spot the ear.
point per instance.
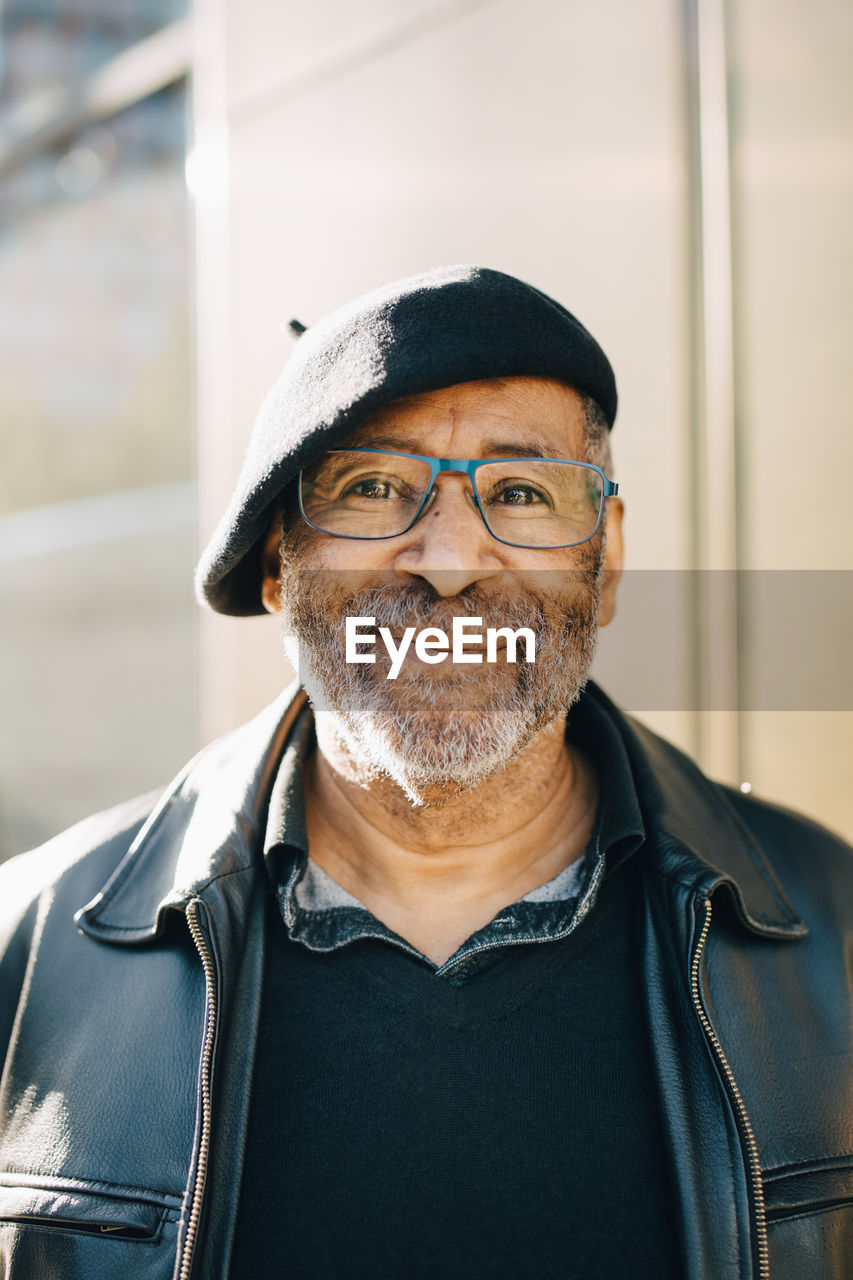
(612, 567)
(271, 566)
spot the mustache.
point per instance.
(418, 605)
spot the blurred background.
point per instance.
(176, 185)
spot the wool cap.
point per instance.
(450, 325)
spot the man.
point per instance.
(452, 969)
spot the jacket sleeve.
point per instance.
(89, 850)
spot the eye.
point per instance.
(516, 493)
(369, 488)
(380, 487)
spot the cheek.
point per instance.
(562, 577)
(321, 576)
(340, 561)
(297, 537)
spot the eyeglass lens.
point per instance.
(534, 502)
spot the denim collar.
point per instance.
(321, 915)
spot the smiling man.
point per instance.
(407, 772)
(442, 966)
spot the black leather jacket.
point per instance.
(131, 1023)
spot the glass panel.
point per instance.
(97, 506)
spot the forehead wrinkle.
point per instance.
(454, 424)
(531, 446)
(401, 444)
(493, 408)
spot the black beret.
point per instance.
(450, 325)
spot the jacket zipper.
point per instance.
(737, 1099)
(211, 1010)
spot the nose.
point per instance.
(449, 545)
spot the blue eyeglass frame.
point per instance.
(467, 467)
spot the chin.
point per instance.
(433, 754)
(434, 732)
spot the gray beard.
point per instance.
(437, 728)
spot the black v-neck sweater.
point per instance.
(504, 1127)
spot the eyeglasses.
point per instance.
(524, 502)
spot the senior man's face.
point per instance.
(436, 728)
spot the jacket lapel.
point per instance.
(205, 827)
(700, 837)
(704, 1144)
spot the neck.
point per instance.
(436, 872)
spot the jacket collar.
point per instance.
(210, 823)
(206, 825)
(702, 841)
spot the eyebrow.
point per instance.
(530, 448)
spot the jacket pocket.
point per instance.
(59, 1229)
(810, 1220)
(799, 1190)
(74, 1209)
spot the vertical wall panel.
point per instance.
(792, 123)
